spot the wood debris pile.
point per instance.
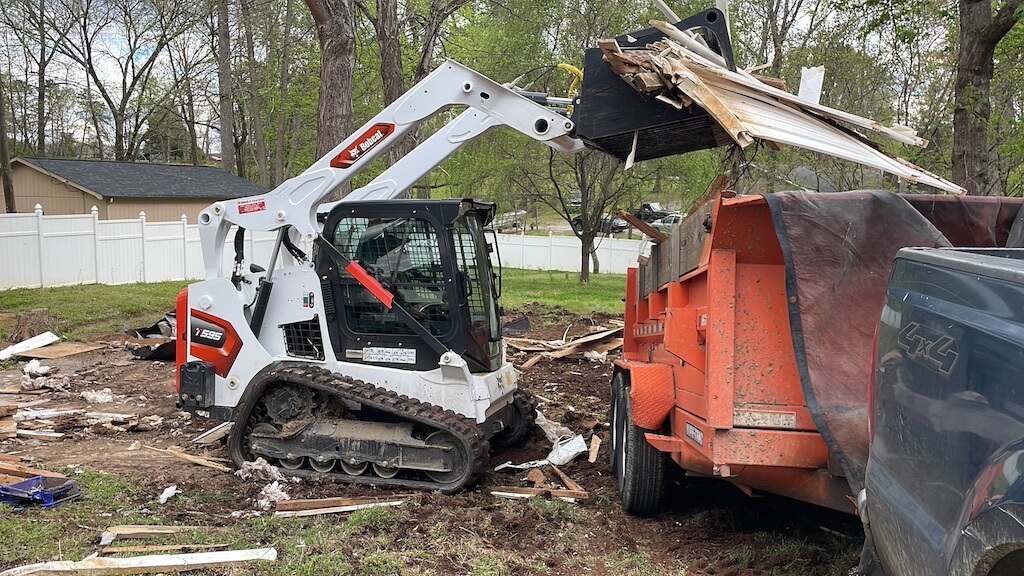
(599, 342)
(569, 491)
(750, 108)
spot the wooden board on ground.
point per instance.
(13, 469)
(335, 509)
(8, 428)
(145, 530)
(17, 391)
(526, 492)
(60, 350)
(146, 564)
(315, 503)
(106, 550)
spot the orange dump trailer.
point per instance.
(748, 337)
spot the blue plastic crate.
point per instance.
(43, 490)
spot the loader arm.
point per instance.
(294, 203)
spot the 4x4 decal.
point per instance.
(936, 349)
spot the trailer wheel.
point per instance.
(638, 467)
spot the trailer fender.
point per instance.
(652, 391)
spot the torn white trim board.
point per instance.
(146, 564)
(44, 339)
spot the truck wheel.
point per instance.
(638, 467)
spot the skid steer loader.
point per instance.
(368, 347)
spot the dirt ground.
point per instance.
(707, 526)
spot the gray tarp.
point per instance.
(839, 250)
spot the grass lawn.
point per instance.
(83, 312)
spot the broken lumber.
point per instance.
(26, 415)
(335, 509)
(518, 492)
(314, 503)
(23, 471)
(130, 531)
(193, 459)
(43, 435)
(213, 434)
(160, 548)
(8, 409)
(146, 564)
(9, 458)
(595, 445)
(8, 428)
(569, 482)
(529, 363)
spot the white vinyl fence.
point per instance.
(40, 251)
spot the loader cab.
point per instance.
(433, 258)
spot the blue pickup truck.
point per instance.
(944, 489)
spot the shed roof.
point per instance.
(143, 180)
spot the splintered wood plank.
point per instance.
(315, 503)
(160, 548)
(42, 435)
(193, 459)
(335, 509)
(145, 530)
(526, 492)
(60, 350)
(14, 469)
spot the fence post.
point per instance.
(551, 248)
(96, 241)
(39, 237)
(142, 225)
(184, 247)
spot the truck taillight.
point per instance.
(180, 335)
(871, 384)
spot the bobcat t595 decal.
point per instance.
(214, 340)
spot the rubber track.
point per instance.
(472, 438)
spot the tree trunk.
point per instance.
(980, 32)
(389, 42)
(226, 104)
(5, 158)
(588, 249)
(279, 173)
(254, 95)
(336, 31)
(41, 86)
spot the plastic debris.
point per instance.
(566, 450)
(35, 369)
(169, 493)
(104, 396)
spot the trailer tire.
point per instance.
(639, 468)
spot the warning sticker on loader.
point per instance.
(389, 355)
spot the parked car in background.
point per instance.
(944, 490)
(665, 224)
(609, 225)
(651, 211)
